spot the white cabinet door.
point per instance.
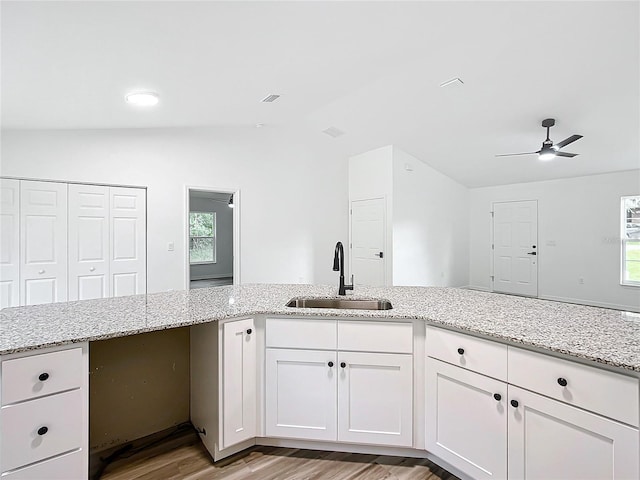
(549, 439)
(375, 398)
(301, 394)
(239, 370)
(467, 420)
(9, 243)
(88, 242)
(43, 234)
(128, 241)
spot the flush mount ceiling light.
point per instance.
(333, 132)
(453, 81)
(143, 99)
(270, 98)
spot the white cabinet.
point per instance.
(64, 242)
(375, 398)
(348, 396)
(44, 414)
(9, 243)
(43, 242)
(548, 438)
(224, 383)
(467, 420)
(238, 382)
(301, 394)
(489, 428)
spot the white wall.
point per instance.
(293, 189)
(430, 225)
(578, 237)
(223, 266)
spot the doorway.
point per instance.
(212, 237)
(515, 247)
(368, 254)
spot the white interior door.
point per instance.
(43, 234)
(515, 242)
(88, 242)
(368, 254)
(128, 241)
(9, 243)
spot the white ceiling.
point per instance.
(370, 69)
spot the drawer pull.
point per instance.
(343, 365)
(330, 364)
(42, 431)
(497, 396)
(249, 331)
(461, 351)
(514, 403)
(43, 377)
(562, 382)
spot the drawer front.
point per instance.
(61, 414)
(606, 393)
(70, 466)
(476, 354)
(21, 377)
(366, 336)
(301, 333)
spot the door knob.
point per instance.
(381, 254)
(92, 269)
(40, 272)
(531, 253)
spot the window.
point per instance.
(631, 240)
(202, 237)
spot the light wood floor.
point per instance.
(190, 461)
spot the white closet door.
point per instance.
(88, 242)
(128, 241)
(43, 249)
(9, 243)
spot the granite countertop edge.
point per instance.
(494, 316)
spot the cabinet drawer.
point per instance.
(476, 354)
(301, 333)
(600, 391)
(21, 376)
(21, 444)
(70, 466)
(386, 337)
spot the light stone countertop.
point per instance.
(601, 335)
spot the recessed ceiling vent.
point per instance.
(333, 132)
(270, 98)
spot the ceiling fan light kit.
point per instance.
(550, 150)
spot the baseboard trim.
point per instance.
(211, 277)
(589, 303)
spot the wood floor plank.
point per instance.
(191, 461)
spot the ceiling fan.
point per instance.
(549, 149)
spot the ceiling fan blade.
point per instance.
(517, 154)
(566, 154)
(567, 141)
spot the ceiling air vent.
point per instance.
(270, 98)
(333, 132)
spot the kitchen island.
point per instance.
(445, 352)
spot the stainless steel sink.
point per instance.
(349, 303)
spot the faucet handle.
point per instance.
(350, 287)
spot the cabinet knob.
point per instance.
(461, 351)
(497, 396)
(562, 382)
(249, 331)
(514, 403)
(40, 272)
(330, 364)
(42, 430)
(343, 365)
(43, 376)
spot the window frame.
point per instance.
(624, 241)
(214, 242)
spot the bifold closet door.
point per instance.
(127, 264)
(88, 242)
(9, 243)
(43, 235)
